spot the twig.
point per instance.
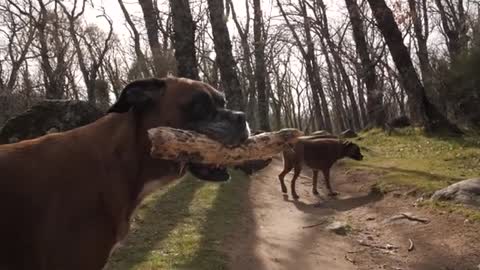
(314, 225)
(409, 217)
(412, 246)
(422, 220)
(348, 259)
(356, 251)
(387, 247)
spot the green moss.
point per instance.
(183, 226)
(471, 214)
(411, 159)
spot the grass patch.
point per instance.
(408, 158)
(183, 226)
(469, 213)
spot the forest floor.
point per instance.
(387, 220)
(279, 233)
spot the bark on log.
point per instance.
(189, 146)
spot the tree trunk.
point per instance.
(251, 98)
(53, 87)
(422, 112)
(376, 115)
(315, 68)
(225, 61)
(260, 69)
(311, 68)
(334, 88)
(184, 39)
(152, 27)
(142, 62)
(361, 93)
(323, 21)
(455, 27)
(88, 76)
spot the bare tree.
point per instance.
(225, 60)
(250, 89)
(184, 37)
(90, 65)
(375, 110)
(260, 69)
(423, 112)
(19, 34)
(319, 9)
(454, 23)
(141, 60)
(313, 71)
(151, 23)
(50, 28)
(420, 18)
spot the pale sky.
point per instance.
(335, 10)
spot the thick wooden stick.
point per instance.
(189, 146)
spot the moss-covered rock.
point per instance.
(47, 117)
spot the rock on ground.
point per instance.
(338, 227)
(465, 192)
(47, 117)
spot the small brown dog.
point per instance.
(318, 154)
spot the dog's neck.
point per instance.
(128, 144)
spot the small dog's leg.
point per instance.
(297, 170)
(314, 180)
(326, 175)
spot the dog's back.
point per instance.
(320, 153)
(316, 153)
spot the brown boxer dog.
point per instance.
(319, 154)
(66, 199)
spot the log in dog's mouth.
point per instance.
(212, 173)
(233, 136)
(207, 158)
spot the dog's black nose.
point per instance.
(238, 117)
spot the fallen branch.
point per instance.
(356, 251)
(411, 247)
(386, 247)
(190, 146)
(314, 225)
(348, 259)
(413, 218)
(409, 217)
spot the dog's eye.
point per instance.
(201, 108)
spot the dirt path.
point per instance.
(278, 233)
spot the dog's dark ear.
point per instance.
(347, 144)
(138, 95)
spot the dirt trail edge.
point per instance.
(382, 232)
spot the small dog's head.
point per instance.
(185, 104)
(352, 150)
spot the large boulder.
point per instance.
(46, 117)
(12, 104)
(465, 192)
